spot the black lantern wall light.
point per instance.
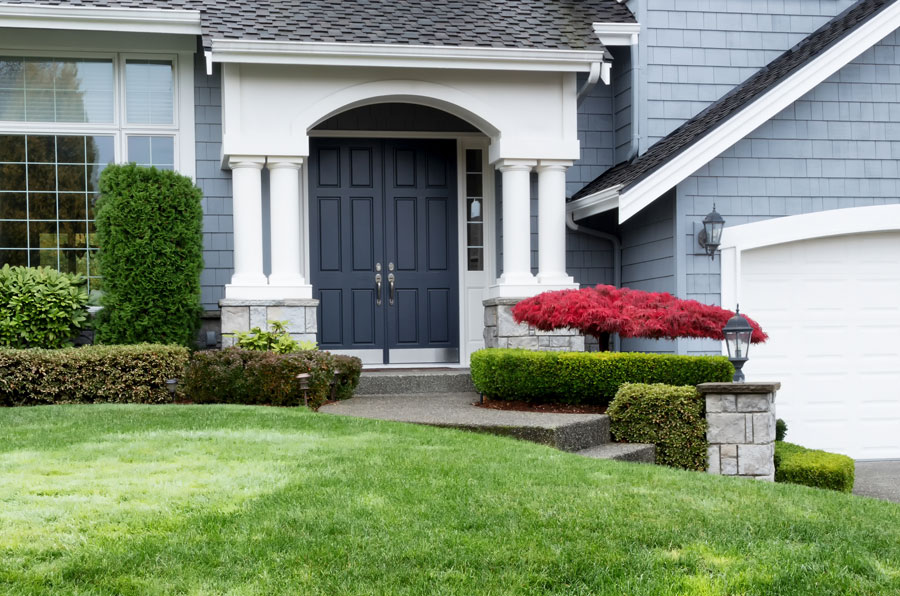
(710, 237)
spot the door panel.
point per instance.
(393, 204)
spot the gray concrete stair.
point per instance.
(420, 381)
(633, 452)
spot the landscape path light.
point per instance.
(737, 333)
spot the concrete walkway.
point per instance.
(878, 479)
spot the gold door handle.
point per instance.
(391, 288)
(377, 289)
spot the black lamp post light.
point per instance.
(710, 237)
(737, 333)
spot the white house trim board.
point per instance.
(93, 18)
(617, 34)
(758, 112)
(599, 202)
(403, 56)
(822, 224)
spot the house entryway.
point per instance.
(383, 248)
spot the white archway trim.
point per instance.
(442, 97)
(822, 224)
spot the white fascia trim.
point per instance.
(821, 224)
(599, 202)
(93, 18)
(758, 112)
(403, 56)
(617, 34)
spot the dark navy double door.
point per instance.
(383, 238)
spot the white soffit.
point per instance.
(617, 34)
(92, 18)
(404, 56)
(759, 111)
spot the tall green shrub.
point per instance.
(149, 225)
(40, 307)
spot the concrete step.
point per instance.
(567, 432)
(633, 452)
(415, 381)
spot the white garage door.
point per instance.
(831, 308)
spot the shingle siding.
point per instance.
(836, 147)
(697, 50)
(218, 239)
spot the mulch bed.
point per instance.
(550, 408)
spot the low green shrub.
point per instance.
(673, 418)
(91, 374)
(810, 467)
(585, 377)
(277, 339)
(253, 377)
(40, 307)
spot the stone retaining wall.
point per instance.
(501, 331)
(741, 431)
(242, 315)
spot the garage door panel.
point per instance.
(832, 310)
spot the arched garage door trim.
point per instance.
(822, 224)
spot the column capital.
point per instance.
(246, 161)
(554, 164)
(515, 165)
(294, 163)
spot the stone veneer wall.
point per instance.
(741, 431)
(242, 315)
(501, 331)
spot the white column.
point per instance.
(552, 223)
(248, 228)
(516, 222)
(284, 210)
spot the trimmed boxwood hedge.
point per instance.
(236, 376)
(585, 377)
(810, 467)
(91, 374)
(673, 418)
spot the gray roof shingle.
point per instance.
(629, 173)
(533, 24)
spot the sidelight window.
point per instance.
(474, 210)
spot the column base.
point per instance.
(502, 331)
(559, 280)
(267, 292)
(242, 315)
(522, 291)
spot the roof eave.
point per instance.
(595, 203)
(95, 18)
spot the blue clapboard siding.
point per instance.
(695, 51)
(218, 240)
(836, 147)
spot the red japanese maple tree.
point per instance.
(630, 313)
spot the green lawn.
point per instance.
(239, 500)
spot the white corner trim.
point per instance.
(794, 228)
(821, 224)
(599, 202)
(617, 34)
(758, 112)
(93, 18)
(397, 55)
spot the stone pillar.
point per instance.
(741, 431)
(552, 223)
(248, 274)
(502, 331)
(284, 201)
(243, 315)
(516, 223)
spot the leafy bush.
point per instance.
(780, 429)
(149, 225)
(276, 340)
(121, 374)
(256, 377)
(40, 307)
(585, 377)
(630, 313)
(810, 467)
(673, 418)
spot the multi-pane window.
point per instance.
(62, 120)
(474, 210)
